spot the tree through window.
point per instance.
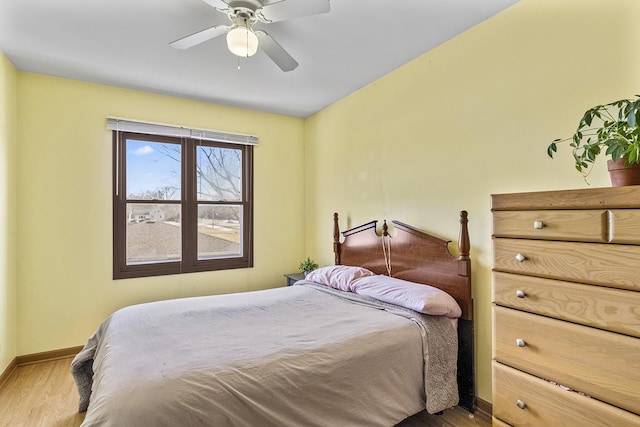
(180, 205)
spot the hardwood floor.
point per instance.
(456, 417)
(40, 394)
(44, 395)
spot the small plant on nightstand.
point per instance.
(307, 266)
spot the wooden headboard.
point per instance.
(413, 255)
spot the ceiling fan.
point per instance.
(242, 39)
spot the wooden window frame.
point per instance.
(189, 207)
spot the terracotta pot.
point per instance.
(621, 175)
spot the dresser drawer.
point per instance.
(574, 225)
(498, 423)
(602, 364)
(627, 197)
(546, 404)
(605, 264)
(605, 308)
(624, 226)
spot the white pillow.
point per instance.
(414, 296)
(338, 276)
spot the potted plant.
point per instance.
(614, 128)
(307, 266)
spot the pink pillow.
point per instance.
(338, 276)
(423, 298)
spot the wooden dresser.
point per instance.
(566, 315)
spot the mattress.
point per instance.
(301, 355)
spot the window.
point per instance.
(180, 205)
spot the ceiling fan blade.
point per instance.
(289, 9)
(199, 37)
(217, 4)
(276, 52)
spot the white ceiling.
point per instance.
(126, 43)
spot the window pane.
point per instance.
(153, 170)
(153, 233)
(157, 180)
(219, 231)
(219, 174)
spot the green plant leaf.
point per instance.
(588, 117)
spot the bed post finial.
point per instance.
(336, 238)
(464, 245)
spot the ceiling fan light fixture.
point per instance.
(242, 41)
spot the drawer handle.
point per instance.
(520, 342)
(520, 294)
(538, 225)
(520, 257)
(520, 404)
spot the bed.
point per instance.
(350, 345)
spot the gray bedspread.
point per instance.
(297, 356)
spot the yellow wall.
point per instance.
(8, 282)
(467, 120)
(8, 285)
(64, 205)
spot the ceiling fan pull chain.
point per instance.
(247, 38)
